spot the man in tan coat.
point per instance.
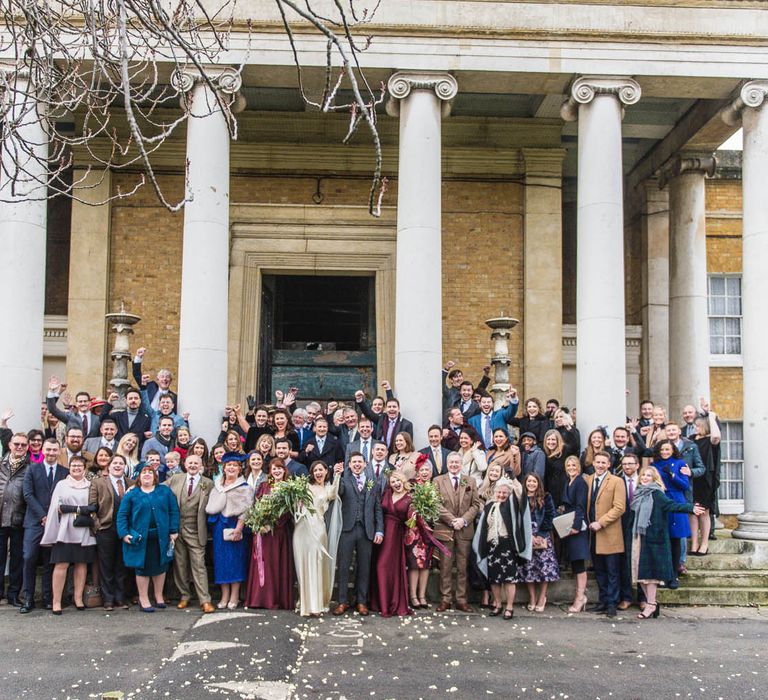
(606, 502)
(455, 530)
(192, 491)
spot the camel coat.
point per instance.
(610, 504)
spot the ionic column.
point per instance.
(420, 100)
(688, 322)
(597, 103)
(203, 327)
(23, 220)
(752, 108)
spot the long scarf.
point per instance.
(494, 523)
(642, 505)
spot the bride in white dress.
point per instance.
(314, 547)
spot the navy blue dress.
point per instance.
(576, 547)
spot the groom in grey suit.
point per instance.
(362, 527)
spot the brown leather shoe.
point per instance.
(340, 609)
(463, 607)
(442, 606)
(183, 604)
(362, 609)
(624, 605)
(206, 607)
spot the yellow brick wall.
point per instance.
(482, 259)
(723, 203)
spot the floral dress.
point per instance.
(543, 565)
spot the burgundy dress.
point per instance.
(270, 571)
(389, 593)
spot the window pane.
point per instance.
(716, 285)
(733, 285)
(717, 327)
(733, 346)
(717, 346)
(733, 306)
(716, 306)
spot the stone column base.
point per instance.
(752, 526)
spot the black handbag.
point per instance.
(83, 520)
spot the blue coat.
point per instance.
(499, 418)
(133, 518)
(676, 485)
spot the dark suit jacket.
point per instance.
(141, 424)
(402, 425)
(383, 479)
(373, 517)
(102, 495)
(72, 419)
(37, 491)
(151, 387)
(332, 451)
(444, 456)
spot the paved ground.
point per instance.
(701, 653)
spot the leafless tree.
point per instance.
(107, 66)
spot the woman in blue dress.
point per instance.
(675, 474)
(230, 499)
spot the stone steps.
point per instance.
(690, 595)
(729, 578)
(720, 562)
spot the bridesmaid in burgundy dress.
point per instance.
(271, 574)
(390, 584)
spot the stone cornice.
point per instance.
(585, 88)
(682, 163)
(400, 84)
(752, 94)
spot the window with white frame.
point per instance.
(731, 462)
(724, 296)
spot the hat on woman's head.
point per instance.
(233, 457)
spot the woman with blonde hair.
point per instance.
(596, 442)
(651, 546)
(128, 447)
(576, 544)
(554, 466)
(265, 446)
(705, 487)
(657, 432)
(504, 453)
(492, 476)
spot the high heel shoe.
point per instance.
(495, 612)
(508, 614)
(530, 607)
(415, 604)
(55, 612)
(540, 608)
(579, 606)
(79, 607)
(232, 606)
(221, 605)
(654, 607)
(423, 604)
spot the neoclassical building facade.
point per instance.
(548, 161)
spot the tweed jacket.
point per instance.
(462, 503)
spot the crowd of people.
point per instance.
(125, 496)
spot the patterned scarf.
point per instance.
(642, 504)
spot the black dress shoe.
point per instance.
(597, 607)
(610, 612)
(15, 602)
(26, 608)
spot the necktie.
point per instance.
(438, 458)
(487, 430)
(85, 426)
(595, 486)
(320, 444)
(120, 488)
(50, 477)
(360, 485)
(631, 485)
(191, 486)
(365, 450)
(378, 469)
(455, 483)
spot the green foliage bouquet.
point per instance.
(425, 502)
(285, 497)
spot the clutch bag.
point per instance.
(563, 524)
(228, 534)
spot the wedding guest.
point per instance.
(534, 421)
(314, 545)
(128, 448)
(271, 571)
(596, 442)
(148, 524)
(68, 533)
(13, 466)
(473, 461)
(504, 454)
(674, 473)
(230, 498)
(192, 491)
(405, 455)
(492, 475)
(503, 539)
(576, 544)
(214, 461)
(652, 552)
(454, 529)
(554, 466)
(390, 593)
(36, 438)
(707, 440)
(542, 569)
(100, 464)
(265, 446)
(199, 447)
(254, 470)
(106, 493)
(418, 549)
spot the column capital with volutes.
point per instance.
(226, 80)
(751, 94)
(704, 164)
(400, 85)
(585, 88)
